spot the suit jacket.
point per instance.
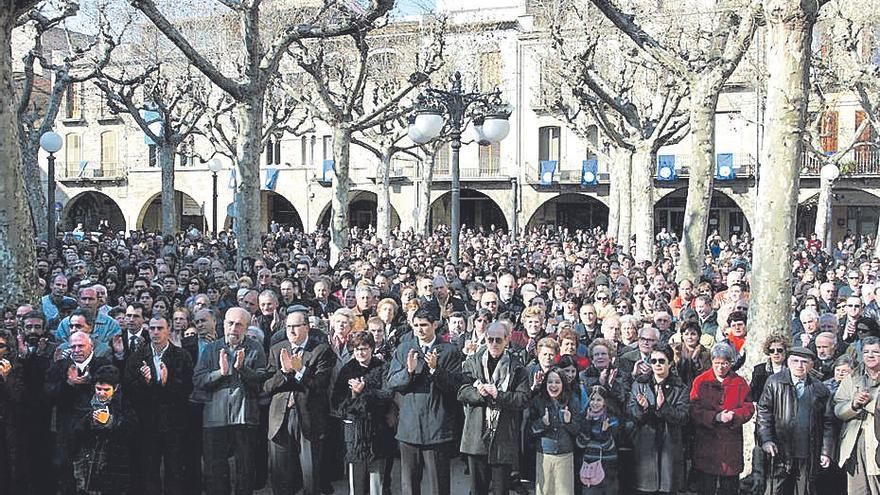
(231, 399)
(160, 408)
(311, 391)
(72, 401)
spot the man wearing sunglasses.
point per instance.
(495, 392)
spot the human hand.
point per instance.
(537, 380)
(642, 400)
(606, 424)
(163, 373)
(5, 368)
(469, 347)
(860, 399)
(22, 345)
(770, 449)
(481, 389)
(74, 378)
(296, 361)
(412, 360)
(239, 359)
(824, 461)
(491, 389)
(224, 363)
(661, 397)
(566, 415)
(431, 359)
(805, 339)
(286, 361)
(356, 385)
(118, 344)
(546, 418)
(726, 416)
(146, 373)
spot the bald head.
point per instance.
(235, 325)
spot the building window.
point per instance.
(828, 132)
(304, 151)
(108, 155)
(593, 141)
(490, 159)
(548, 143)
(72, 153)
(490, 70)
(327, 147)
(442, 158)
(313, 142)
(863, 143)
(73, 101)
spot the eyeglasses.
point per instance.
(495, 340)
(601, 298)
(776, 350)
(658, 361)
(853, 305)
(491, 302)
(645, 339)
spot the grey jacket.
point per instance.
(232, 399)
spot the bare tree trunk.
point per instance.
(823, 215)
(247, 199)
(624, 168)
(33, 185)
(169, 206)
(615, 176)
(341, 186)
(642, 191)
(17, 248)
(700, 178)
(424, 200)
(383, 198)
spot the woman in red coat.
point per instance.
(720, 404)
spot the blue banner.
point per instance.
(327, 170)
(590, 172)
(548, 169)
(724, 167)
(271, 178)
(233, 179)
(666, 168)
(149, 117)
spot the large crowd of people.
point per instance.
(552, 362)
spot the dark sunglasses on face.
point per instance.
(658, 361)
(776, 350)
(494, 340)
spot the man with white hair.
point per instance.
(810, 324)
(826, 353)
(827, 298)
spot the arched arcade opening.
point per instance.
(361, 211)
(573, 211)
(90, 208)
(725, 216)
(189, 213)
(278, 209)
(853, 211)
(477, 210)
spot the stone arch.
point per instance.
(852, 209)
(361, 211)
(278, 208)
(89, 208)
(189, 212)
(477, 210)
(572, 210)
(725, 213)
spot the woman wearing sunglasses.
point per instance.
(658, 403)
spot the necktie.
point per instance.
(799, 388)
(425, 350)
(132, 343)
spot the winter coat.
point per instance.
(366, 431)
(657, 440)
(558, 437)
(777, 413)
(101, 461)
(160, 408)
(718, 447)
(501, 443)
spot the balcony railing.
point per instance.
(90, 171)
(855, 162)
(442, 172)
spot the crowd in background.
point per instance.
(551, 362)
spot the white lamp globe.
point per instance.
(665, 172)
(415, 135)
(830, 172)
(51, 142)
(429, 124)
(215, 165)
(496, 128)
(724, 170)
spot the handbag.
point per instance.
(592, 473)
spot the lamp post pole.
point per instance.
(214, 205)
(428, 123)
(50, 199)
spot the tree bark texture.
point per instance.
(624, 163)
(17, 248)
(789, 35)
(169, 206)
(701, 173)
(341, 187)
(247, 199)
(642, 191)
(33, 184)
(615, 176)
(383, 197)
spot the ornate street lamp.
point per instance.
(490, 117)
(827, 175)
(214, 166)
(51, 143)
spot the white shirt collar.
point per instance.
(85, 364)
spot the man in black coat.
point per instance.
(299, 370)
(158, 381)
(70, 386)
(427, 374)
